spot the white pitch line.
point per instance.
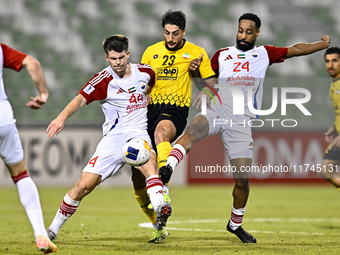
(293, 219)
(149, 225)
(196, 221)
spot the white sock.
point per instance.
(236, 217)
(154, 188)
(29, 198)
(176, 155)
(67, 208)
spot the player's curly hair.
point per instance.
(118, 43)
(252, 17)
(174, 18)
(332, 50)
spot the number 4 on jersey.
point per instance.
(93, 161)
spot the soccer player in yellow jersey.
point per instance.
(331, 159)
(173, 61)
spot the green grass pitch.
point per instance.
(297, 219)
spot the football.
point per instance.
(136, 152)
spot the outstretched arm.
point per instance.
(58, 124)
(35, 71)
(193, 67)
(301, 49)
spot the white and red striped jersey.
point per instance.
(122, 99)
(246, 70)
(9, 58)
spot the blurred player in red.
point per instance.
(242, 66)
(11, 150)
(121, 90)
(331, 160)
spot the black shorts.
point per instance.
(332, 154)
(177, 115)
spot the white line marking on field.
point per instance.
(149, 225)
(294, 219)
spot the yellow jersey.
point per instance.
(334, 94)
(173, 84)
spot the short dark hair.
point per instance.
(332, 50)
(118, 43)
(252, 17)
(174, 18)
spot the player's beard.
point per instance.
(245, 47)
(176, 47)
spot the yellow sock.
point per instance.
(163, 151)
(143, 200)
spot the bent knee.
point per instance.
(242, 184)
(326, 175)
(198, 131)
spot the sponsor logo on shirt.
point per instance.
(228, 58)
(169, 73)
(155, 56)
(241, 80)
(131, 108)
(88, 89)
(241, 56)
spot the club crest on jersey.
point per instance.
(254, 55)
(241, 56)
(186, 55)
(143, 85)
(337, 92)
(155, 56)
(88, 89)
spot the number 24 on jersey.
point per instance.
(238, 66)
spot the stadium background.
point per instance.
(65, 36)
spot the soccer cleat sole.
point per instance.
(163, 212)
(44, 244)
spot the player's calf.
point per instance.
(163, 212)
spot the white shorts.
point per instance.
(11, 150)
(108, 157)
(233, 129)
